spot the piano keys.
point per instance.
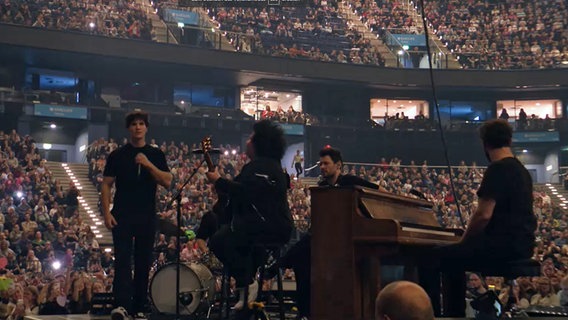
(356, 230)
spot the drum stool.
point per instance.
(269, 250)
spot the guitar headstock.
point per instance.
(206, 147)
(206, 144)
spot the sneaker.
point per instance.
(252, 294)
(140, 316)
(119, 313)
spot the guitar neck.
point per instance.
(210, 165)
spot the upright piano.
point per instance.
(355, 230)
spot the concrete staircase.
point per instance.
(452, 61)
(351, 16)
(159, 29)
(558, 195)
(88, 202)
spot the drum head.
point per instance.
(193, 281)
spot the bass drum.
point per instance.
(194, 279)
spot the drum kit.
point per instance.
(197, 289)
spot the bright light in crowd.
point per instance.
(56, 265)
(108, 250)
(234, 151)
(47, 146)
(53, 126)
(19, 194)
(226, 152)
(91, 25)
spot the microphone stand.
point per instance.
(177, 197)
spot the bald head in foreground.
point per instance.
(403, 300)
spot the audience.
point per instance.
(37, 229)
(317, 33)
(117, 19)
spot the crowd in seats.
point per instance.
(50, 260)
(382, 15)
(42, 225)
(118, 19)
(505, 35)
(315, 33)
(288, 116)
(512, 34)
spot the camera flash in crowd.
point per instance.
(56, 265)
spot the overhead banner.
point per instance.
(185, 17)
(47, 110)
(410, 40)
(543, 136)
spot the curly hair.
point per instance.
(268, 140)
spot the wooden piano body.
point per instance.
(354, 230)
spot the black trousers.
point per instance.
(299, 259)
(238, 252)
(298, 167)
(133, 234)
(451, 263)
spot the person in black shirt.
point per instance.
(500, 230)
(299, 256)
(258, 205)
(211, 222)
(136, 169)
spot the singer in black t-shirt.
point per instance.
(136, 169)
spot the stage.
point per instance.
(91, 317)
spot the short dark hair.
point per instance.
(136, 115)
(268, 140)
(334, 154)
(496, 134)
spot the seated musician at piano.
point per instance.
(499, 231)
(298, 257)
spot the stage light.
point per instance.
(56, 265)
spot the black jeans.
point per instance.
(298, 167)
(238, 253)
(132, 234)
(299, 259)
(448, 272)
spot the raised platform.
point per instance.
(91, 317)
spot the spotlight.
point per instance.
(19, 194)
(226, 152)
(233, 152)
(56, 265)
(92, 25)
(53, 126)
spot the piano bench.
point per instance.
(512, 269)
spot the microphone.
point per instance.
(212, 151)
(417, 193)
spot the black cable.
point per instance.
(435, 96)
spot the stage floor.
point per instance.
(91, 317)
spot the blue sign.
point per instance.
(185, 17)
(47, 110)
(543, 136)
(292, 129)
(411, 40)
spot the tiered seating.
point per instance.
(315, 33)
(108, 18)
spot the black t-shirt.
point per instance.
(509, 183)
(348, 180)
(135, 187)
